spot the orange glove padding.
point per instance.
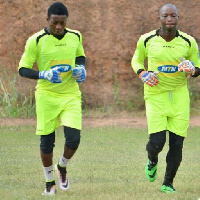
(186, 66)
(149, 78)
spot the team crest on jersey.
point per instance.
(168, 69)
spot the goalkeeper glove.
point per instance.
(149, 78)
(79, 73)
(52, 75)
(186, 66)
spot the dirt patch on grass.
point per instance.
(126, 121)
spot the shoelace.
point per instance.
(151, 165)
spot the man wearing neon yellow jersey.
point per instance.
(60, 58)
(172, 55)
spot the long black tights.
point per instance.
(174, 156)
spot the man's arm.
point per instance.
(137, 64)
(139, 56)
(194, 57)
(80, 60)
(28, 73)
(79, 72)
(196, 73)
(52, 75)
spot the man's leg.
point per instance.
(72, 136)
(47, 143)
(174, 158)
(72, 141)
(154, 147)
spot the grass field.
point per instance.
(109, 165)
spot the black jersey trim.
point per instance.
(74, 33)
(186, 39)
(40, 36)
(47, 33)
(157, 34)
(148, 38)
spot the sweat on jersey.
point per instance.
(47, 51)
(164, 57)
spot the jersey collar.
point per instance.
(157, 32)
(58, 37)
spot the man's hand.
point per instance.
(149, 78)
(79, 73)
(186, 66)
(52, 75)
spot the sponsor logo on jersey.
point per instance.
(168, 46)
(59, 45)
(168, 69)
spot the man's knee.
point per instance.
(156, 142)
(72, 136)
(154, 148)
(47, 143)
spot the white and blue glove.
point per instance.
(150, 78)
(79, 73)
(53, 75)
(186, 66)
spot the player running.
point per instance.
(172, 55)
(60, 58)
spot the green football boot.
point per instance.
(168, 189)
(151, 171)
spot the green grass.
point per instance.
(109, 164)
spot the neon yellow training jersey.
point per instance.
(47, 51)
(164, 57)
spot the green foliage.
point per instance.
(116, 88)
(193, 86)
(132, 101)
(194, 89)
(109, 164)
(12, 104)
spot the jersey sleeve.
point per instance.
(80, 50)
(194, 53)
(30, 53)
(139, 56)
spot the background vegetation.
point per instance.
(14, 102)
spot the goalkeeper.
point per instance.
(172, 56)
(60, 58)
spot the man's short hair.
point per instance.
(168, 5)
(57, 8)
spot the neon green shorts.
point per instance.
(169, 111)
(54, 111)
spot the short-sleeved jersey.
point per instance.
(47, 51)
(164, 57)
